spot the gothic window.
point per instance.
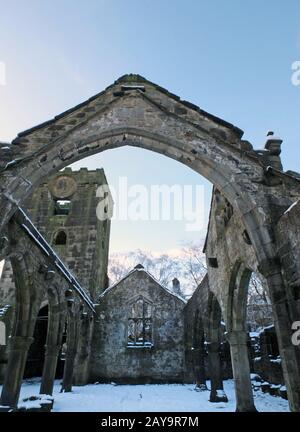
(140, 324)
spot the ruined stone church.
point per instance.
(139, 332)
(61, 316)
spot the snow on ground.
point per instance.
(147, 398)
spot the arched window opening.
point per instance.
(259, 309)
(62, 207)
(60, 238)
(140, 324)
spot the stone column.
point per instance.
(18, 350)
(56, 322)
(285, 312)
(241, 371)
(199, 368)
(217, 393)
(68, 371)
(49, 370)
(70, 354)
(82, 361)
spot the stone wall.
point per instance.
(196, 318)
(113, 359)
(267, 363)
(227, 244)
(288, 233)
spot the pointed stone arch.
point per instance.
(237, 297)
(136, 112)
(238, 337)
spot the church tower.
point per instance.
(64, 211)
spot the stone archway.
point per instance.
(237, 336)
(237, 297)
(134, 111)
(36, 353)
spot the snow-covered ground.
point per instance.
(147, 398)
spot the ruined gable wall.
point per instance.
(113, 360)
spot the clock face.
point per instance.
(63, 187)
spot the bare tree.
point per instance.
(257, 292)
(193, 267)
(259, 309)
(163, 267)
(119, 265)
(187, 266)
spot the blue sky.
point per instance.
(232, 58)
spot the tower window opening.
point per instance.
(60, 238)
(62, 207)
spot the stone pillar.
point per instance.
(49, 370)
(241, 371)
(68, 371)
(82, 361)
(70, 354)
(284, 314)
(217, 393)
(199, 366)
(18, 350)
(56, 321)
